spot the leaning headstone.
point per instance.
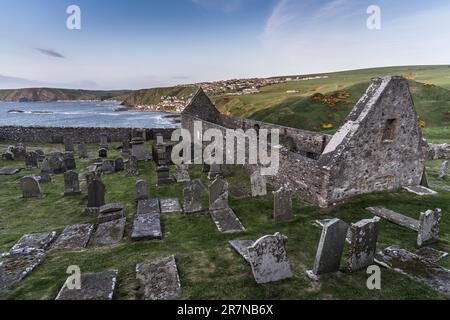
(218, 194)
(443, 174)
(17, 264)
(163, 176)
(268, 259)
(138, 150)
(226, 220)
(68, 145)
(192, 195)
(159, 279)
(363, 244)
(142, 190)
(69, 160)
(429, 227)
(96, 196)
(416, 268)
(40, 241)
(132, 167)
(259, 185)
(30, 187)
(103, 141)
(74, 237)
(31, 160)
(110, 212)
(282, 201)
(108, 167)
(182, 174)
(71, 184)
(102, 153)
(82, 151)
(109, 233)
(94, 287)
(119, 164)
(331, 247)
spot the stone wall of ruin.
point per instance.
(88, 135)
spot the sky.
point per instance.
(132, 44)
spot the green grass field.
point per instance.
(208, 267)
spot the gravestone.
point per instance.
(182, 174)
(170, 206)
(30, 187)
(9, 171)
(7, 156)
(40, 241)
(268, 259)
(259, 185)
(132, 167)
(119, 164)
(110, 212)
(192, 195)
(331, 247)
(159, 139)
(19, 151)
(82, 151)
(429, 227)
(142, 190)
(206, 168)
(45, 173)
(71, 184)
(126, 146)
(138, 150)
(148, 206)
(94, 287)
(56, 163)
(443, 174)
(159, 279)
(31, 160)
(431, 254)
(68, 145)
(102, 153)
(160, 155)
(69, 160)
(363, 244)
(103, 141)
(110, 232)
(282, 210)
(420, 190)
(75, 237)
(108, 167)
(163, 176)
(146, 227)
(215, 170)
(96, 196)
(40, 155)
(226, 220)
(218, 194)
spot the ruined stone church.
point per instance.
(379, 148)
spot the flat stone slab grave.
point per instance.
(74, 237)
(420, 190)
(395, 217)
(16, 265)
(431, 254)
(226, 220)
(170, 206)
(159, 279)
(36, 240)
(147, 227)
(148, 206)
(9, 171)
(109, 233)
(95, 286)
(416, 268)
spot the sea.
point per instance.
(80, 114)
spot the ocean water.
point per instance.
(80, 114)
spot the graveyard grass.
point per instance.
(208, 267)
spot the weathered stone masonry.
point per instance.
(379, 148)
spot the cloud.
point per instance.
(226, 6)
(50, 53)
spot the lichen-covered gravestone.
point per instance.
(282, 201)
(268, 259)
(429, 227)
(71, 184)
(75, 237)
(363, 244)
(95, 286)
(40, 241)
(142, 190)
(110, 232)
(192, 195)
(132, 167)
(259, 185)
(31, 160)
(218, 194)
(96, 196)
(443, 174)
(182, 174)
(30, 187)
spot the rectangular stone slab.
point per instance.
(111, 207)
(416, 268)
(95, 286)
(74, 237)
(226, 221)
(395, 217)
(159, 279)
(147, 227)
(8, 171)
(170, 206)
(431, 254)
(110, 233)
(105, 217)
(241, 246)
(36, 240)
(148, 206)
(16, 265)
(420, 190)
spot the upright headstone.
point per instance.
(71, 184)
(192, 195)
(82, 151)
(443, 174)
(102, 153)
(331, 247)
(138, 150)
(68, 145)
(132, 167)
(268, 259)
(57, 164)
(30, 187)
(363, 244)
(161, 155)
(103, 141)
(259, 185)
(163, 176)
(40, 155)
(282, 210)
(45, 172)
(19, 151)
(108, 166)
(69, 160)
(218, 194)
(429, 227)
(182, 174)
(159, 139)
(96, 196)
(142, 190)
(119, 164)
(126, 146)
(31, 160)
(215, 170)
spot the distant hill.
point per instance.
(50, 94)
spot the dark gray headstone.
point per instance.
(109, 233)
(138, 150)
(30, 187)
(148, 206)
(119, 164)
(108, 167)
(31, 160)
(96, 194)
(71, 184)
(103, 141)
(192, 195)
(19, 151)
(69, 160)
(103, 153)
(215, 170)
(56, 163)
(226, 220)
(163, 176)
(82, 151)
(68, 145)
(259, 185)
(142, 190)
(147, 227)
(282, 205)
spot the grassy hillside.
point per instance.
(52, 94)
(153, 96)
